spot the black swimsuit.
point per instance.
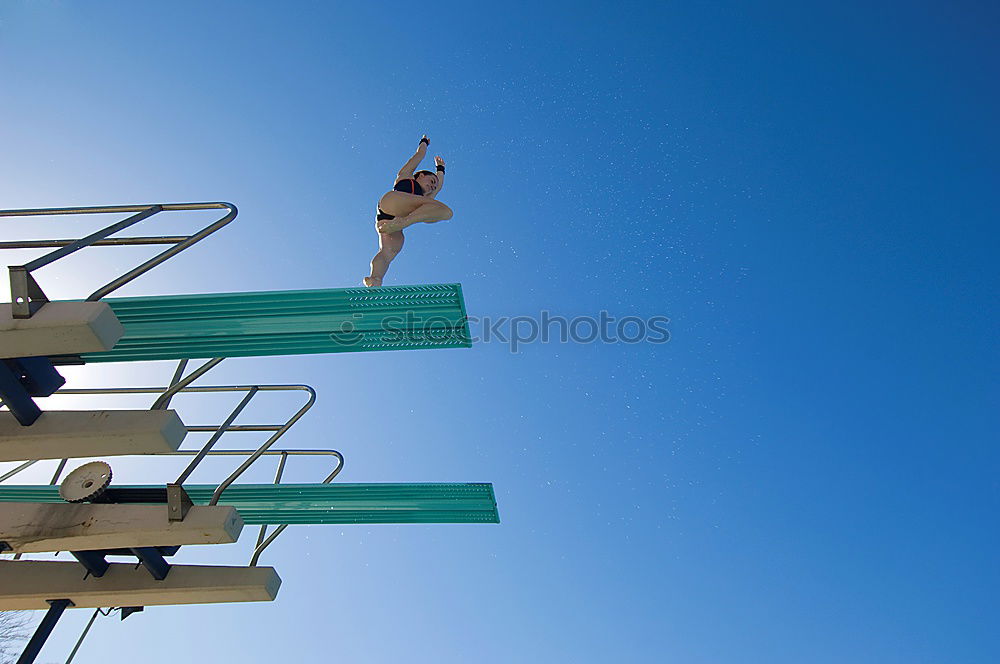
(407, 186)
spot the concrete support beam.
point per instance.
(42, 527)
(59, 328)
(97, 433)
(26, 584)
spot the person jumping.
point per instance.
(411, 201)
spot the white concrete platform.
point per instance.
(26, 584)
(59, 328)
(96, 433)
(47, 527)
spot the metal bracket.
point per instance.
(15, 395)
(26, 295)
(178, 502)
(92, 561)
(22, 378)
(129, 610)
(154, 562)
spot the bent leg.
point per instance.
(400, 203)
(390, 244)
(429, 213)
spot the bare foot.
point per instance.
(372, 282)
(391, 225)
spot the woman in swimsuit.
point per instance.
(411, 201)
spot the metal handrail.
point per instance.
(23, 466)
(264, 543)
(279, 430)
(294, 452)
(86, 629)
(263, 448)
(179, 382)
(186, 473)
(24, 289)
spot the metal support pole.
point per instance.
(160, 403)
(56, 608)
(178, 374)
(90, 239)
(59, 469)
(277, 480)
(216, 436)
(79, 641)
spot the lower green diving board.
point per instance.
(325, 504)
(336, 320)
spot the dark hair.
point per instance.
(419, 173)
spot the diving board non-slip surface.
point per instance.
(335, 320)
(325, 504)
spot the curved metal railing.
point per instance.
(264, 543)
(25, 291)
(216, 430)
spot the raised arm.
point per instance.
(439, 166)
(407, 170)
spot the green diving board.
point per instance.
(325, 504)
(336, 320)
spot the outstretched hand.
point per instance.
(424, 140)
(438, 161)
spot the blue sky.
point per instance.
(805, 472)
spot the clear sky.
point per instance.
(806, 471)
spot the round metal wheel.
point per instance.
(86, 482)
